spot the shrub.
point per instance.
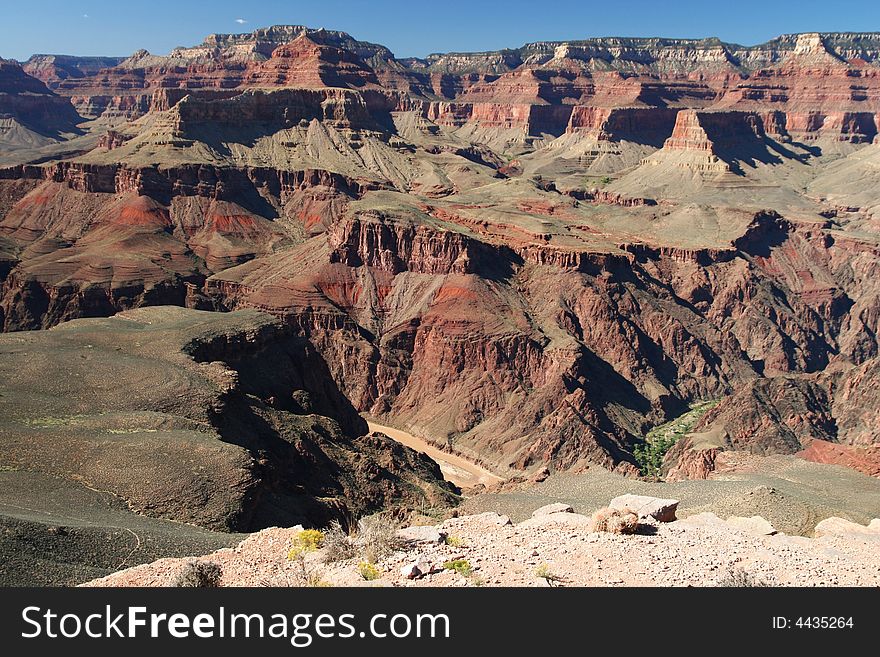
(373, 539)
(615, 521)
(461, 566)
(339, 545)
(737, 577)
(377, 536)
(649, 455)
(605, 180)
(543, 571)
(454, 541)
(308, 540)
(199, 574)
(368, 571)
(304, 577)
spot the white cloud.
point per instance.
(240, 21)
(85, 15)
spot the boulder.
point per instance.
(411, 571)
(557, 507)
(705, 519)
(841, 527)
(540, 475)
(755, 525)
(491, 518)
(571, 520)
(417, 569)
(421, 534)
(647, 507)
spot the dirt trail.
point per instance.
(57, 532)
(456, 469)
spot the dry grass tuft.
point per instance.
(339, 545)
(373, 539)
(199, 575)
(378, 536)
(615, 521)
(737, 578)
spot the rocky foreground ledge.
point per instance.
(555, 547)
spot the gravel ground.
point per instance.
(259, 560)
(793, 494)
(700, 551)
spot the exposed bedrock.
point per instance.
(28, 102)
(142, 83)
(855, 127)
(91, 240)
(52, 69)
(781, 415)
(708, 131)
(520, 357)
(164, 183)
(532, 119)
(286, 107)
(857, 404)
(642, 125)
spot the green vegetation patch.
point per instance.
(461, 566)
(649, 455)
(308, 540)
(368, 571)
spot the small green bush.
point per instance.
(308, 540)
(543, 572)
(454, 541)
(461, 566)
(368, 571)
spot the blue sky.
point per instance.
(415, 28)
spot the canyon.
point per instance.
(525, 259)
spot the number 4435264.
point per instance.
(814, 622)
